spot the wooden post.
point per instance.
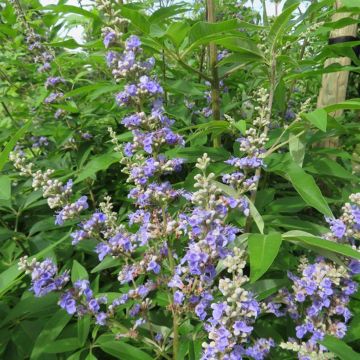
(334, 85)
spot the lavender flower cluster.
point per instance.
(320, 295)
(145, 247)
(58, 195)
(44, 58)
(230, 325)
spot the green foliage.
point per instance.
(302, 182)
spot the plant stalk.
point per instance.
(272, 77)
(215, 84)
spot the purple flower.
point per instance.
(354, 267)
(52, 81)
(68, 303)
(218, 310)
(135, 310)
(153, 266)
(101, 318)
(109, 38)
(337, 227)
(178, 297)
(53, 97)
(132, 43)
(241, 327)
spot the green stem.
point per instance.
(215, 84)
(174, 313)
(176, 336)
(272, 77)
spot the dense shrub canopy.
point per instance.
(179, 180)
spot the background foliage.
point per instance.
(302, 180)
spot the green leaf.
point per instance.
(90, 356)
(121, 349)
(351, 3)
(278, 28)
(177, 32)
(264, 288)
(10, 275)
(83, 328)
(339, 348)
(296, 149)
(137, 19)
(95, 89)
(326, 166)
(70, 9)
(256, 216)
(203, 33)
(107, 263)
(263, 250)
(306, 186)
(204, 29)
(78, 272)
(353, 332)
(241, 126)
(166, 12)
(318, 118)
(50, 332)
(101, 162)
(353, 104)
(314, 241)
(4, 155)
(240, 44)
(191, 154)
(185, 87)
(69, 44)
(61, 346)
(5, 187)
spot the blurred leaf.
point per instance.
(98, 163)
(339, 348)
(318, 118)
(296, 149)
(10, 275)
(280, 25)
(4, 155)
(5, 187)
(70, 9)
(137, 19)
(166, 12)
